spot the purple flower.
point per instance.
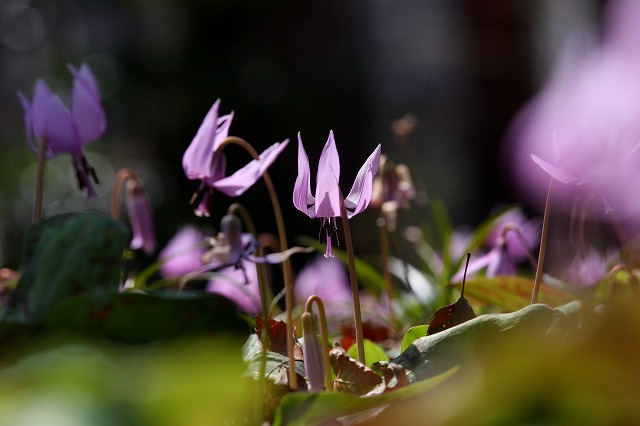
(325, 278)
(239, 285)
(67, 131)
(326, 203)
(140, 217)
(204, 161)
(181, 255)
(583, 130)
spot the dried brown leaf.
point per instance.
(351, 375)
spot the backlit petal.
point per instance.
(198, 156)
(244, 178)
(88, 116)
(557, 173)
(302, 197)
(327, 189)
(360, 194)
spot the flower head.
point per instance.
(204, 160)
(583, 130)
(62, 131)
(325, 204)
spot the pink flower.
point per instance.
(326, 202)
(140, 218)
(583, 130)
(203, 160)
(67, 131)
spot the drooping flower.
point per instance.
(511, 240)
(239, 285)
(64, 131)
(181, 255)
(204, 160)
(325, 204)
(140, 218)
(392, 189)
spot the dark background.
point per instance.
(463, 68)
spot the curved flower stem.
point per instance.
(121, 177)
(543, 245)
(286, 265)
(42, 161)
(384, 250)
(357, 315)
(323, 334)
(237, 208)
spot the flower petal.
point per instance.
(360, 194)
(243, 179)
(557, 173)
(303, 199)
(182, 254)
(28, 121)
(88, 115)
(58, 129)
(140, 218)
(327, 189)
(197, 161)
(279, 257)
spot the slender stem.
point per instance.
(543, 245)
(384, 251)
(357, 315)
(237, 208)
(42, 161)
(120, 179)
(286, 265)
(323, 334)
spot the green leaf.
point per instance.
(512, 292)
(372, 352)
(413, 334)
(311, 409)
(63, 256)
(141, 317)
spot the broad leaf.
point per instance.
(313, 409)
(372, 352)
(64, 256)
(512, 292)
(412, 334)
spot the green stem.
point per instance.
(286, 265)
(237, 208)
(42, 161)
(543, 245)
(328, 386)
(357, 315)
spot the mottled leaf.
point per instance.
(64, 256)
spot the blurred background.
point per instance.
(462, 68)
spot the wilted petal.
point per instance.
(243, 179)
(360, 194)
(327, 189)
(303, 199)
(181, 255)
(86, 110)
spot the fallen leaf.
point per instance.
(278, 338)
(352, 376)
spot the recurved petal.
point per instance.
(360, 194)
(243, 179)
(556, 172)
(196, 160)
(302, 197)
(88, 115)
